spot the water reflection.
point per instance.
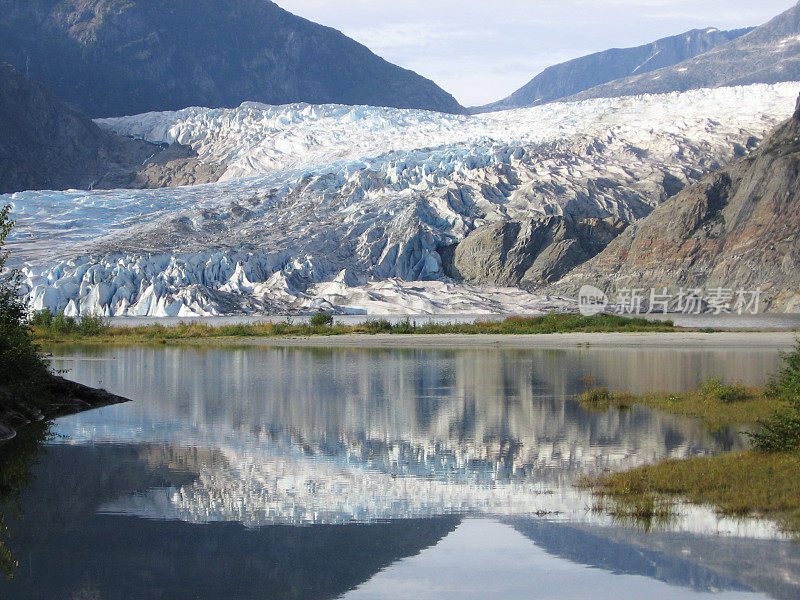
(326, 436)
(17, 458)
(297, 473)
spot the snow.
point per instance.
(345, 207)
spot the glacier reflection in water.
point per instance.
(330, 436)
(370, 457)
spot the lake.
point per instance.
(280, 473)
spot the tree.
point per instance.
(25, 374)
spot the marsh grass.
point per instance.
(52, 328)
(643, 511)
(764, 481)
(716, 404)
(740, 484)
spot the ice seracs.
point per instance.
(348, 208)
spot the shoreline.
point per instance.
(68, 398)
(782, 340)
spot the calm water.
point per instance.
(410, 474)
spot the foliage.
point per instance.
(714, 390)
(600, 398)
(25, 372)
(44, 321)
(551, 323)
(322, 319)
(786, 383)
(781, 431)
(778, 433)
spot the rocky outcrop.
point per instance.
(531, 252)
(768, 54)
(574, 76)
(45, 144)
(65, 398)
(738, 228)
(169, 166)
(111, 58)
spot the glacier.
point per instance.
(348, 208)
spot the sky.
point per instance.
(482, 50)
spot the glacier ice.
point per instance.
(346, 208)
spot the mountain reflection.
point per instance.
(290, 473)
(332, 436)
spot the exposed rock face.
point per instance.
(768, 54)
(45, 144)
(738, 228)
(583, 73)
(111, 58)
(531, 252)
(169, 166)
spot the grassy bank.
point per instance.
(765, 484)
(57, 328)
(763, 481)
(716, 404)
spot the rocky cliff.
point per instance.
(45, 144)
(533, 251)
(114, 57)
(575, 76)
(737, 228)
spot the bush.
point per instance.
(42, 319)
(25, 374)
(87, 326)
(322, 319)
(379, 326)
(715, 390)
(600, 398)
(779, 433)
(404, 326)
(786, 383)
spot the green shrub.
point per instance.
(42, 319)
(322, 319)
(90, 325)
(25, 374)
(598, 397)
(786, 383)
(45, 321)
(779, 433)
(714, 389)
(405, 326)
(379, 326)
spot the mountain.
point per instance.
(736, 229)
(532, 251)
(123, 57)
(583, 73)
(768, 54)
(355, 209)
(45, 144)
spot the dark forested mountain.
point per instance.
(577, 75)
(768, 54)
(116, 57)
(45, 144)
